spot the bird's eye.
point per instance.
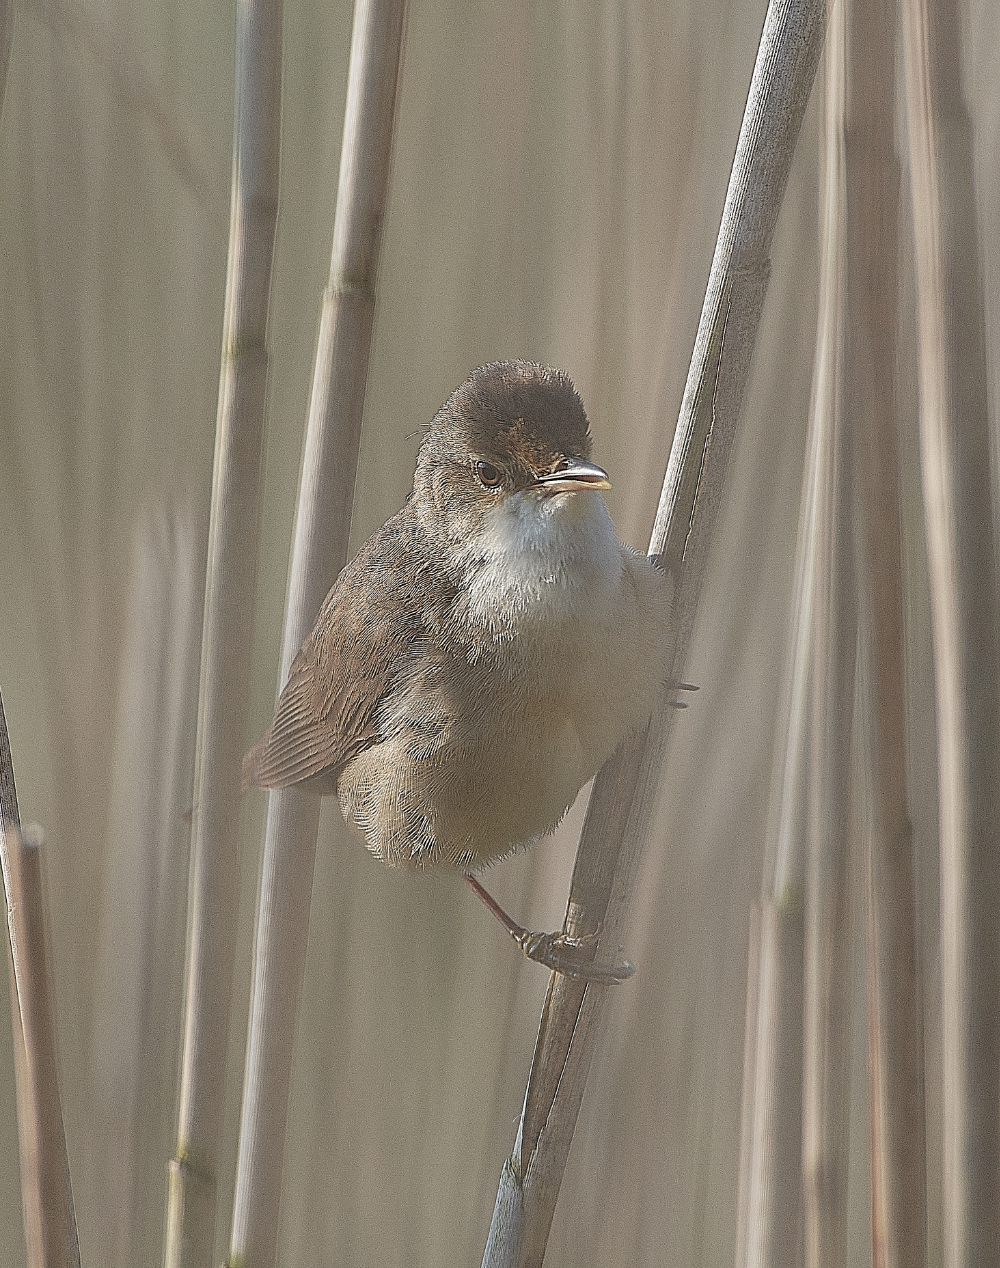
(488, 475)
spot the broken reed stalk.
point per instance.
(959, 525)
(230, 586)
(828, 942)
(893, 983)
(49, 1215)
(621, 805)
(319, 551)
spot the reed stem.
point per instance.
(49, 1215)
(319, 551)
(622, 801)
(959, 522)
(230, 587)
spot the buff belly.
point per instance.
(473, 800)
(485, 745)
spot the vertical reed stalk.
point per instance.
(770, 1180)
(49, 1216)
(826, 1017)
(319, 551)
(959, 525)
(895, 1047)
(771, 1129)
(228, 624)
(622, 800)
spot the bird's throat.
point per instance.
(542, 558)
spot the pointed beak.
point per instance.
(574, 476)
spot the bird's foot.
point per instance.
(571, 956)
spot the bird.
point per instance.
(485, 652)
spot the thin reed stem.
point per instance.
(230, 587)
(828, 942)
(959, 524)
(622, 801)
(895, 1027)
(319, 551)
(49, 1215)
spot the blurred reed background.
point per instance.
(558, 178)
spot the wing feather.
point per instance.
(388, 597)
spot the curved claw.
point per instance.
(560, 952)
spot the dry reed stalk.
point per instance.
(319, 551)
(622, 801)
(895, 1026)
(959, 526)
(826, 1013)
(49, 1216)
(771, 1129)
(135, 954)
(770, 1177)
(228, 625)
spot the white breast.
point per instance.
(543, 559)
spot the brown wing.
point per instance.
(384, 601)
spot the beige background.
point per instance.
(559, 175)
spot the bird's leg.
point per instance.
(558, 951)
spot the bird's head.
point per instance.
(514, 434)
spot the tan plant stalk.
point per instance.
(770, 1178)
(895, 1028)
(959, 524)
(770, 1175)
(621, 804)
(319, 551)
(769, 1203)
(827, 995)
(49, 1216)
(228, 624)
